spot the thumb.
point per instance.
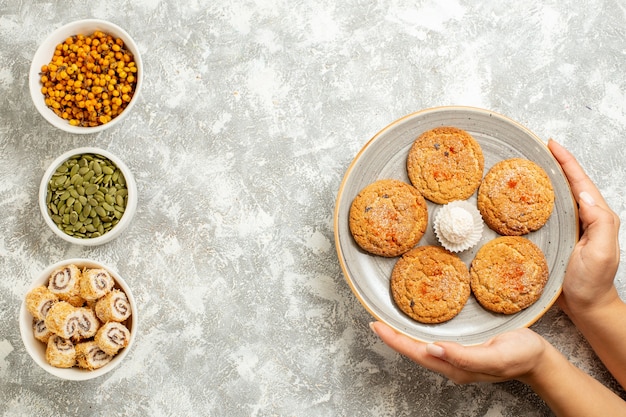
(600, 238)
(468, 358)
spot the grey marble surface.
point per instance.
(250, 114)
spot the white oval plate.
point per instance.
(384, 156)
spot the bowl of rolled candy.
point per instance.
(78, 319)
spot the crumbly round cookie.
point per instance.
(430, 284)
(388, 217)
(508, 274)
(515, 197)
(445, 164)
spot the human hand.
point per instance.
(511, 355)
(593, 263)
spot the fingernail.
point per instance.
(373, 329)
(435, 350)
(587, 198)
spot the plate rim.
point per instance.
(355, 160)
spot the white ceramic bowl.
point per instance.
(44, 55)
(129, 212)
(37, 349)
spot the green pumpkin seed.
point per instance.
(91, 189)
(87, 196)
(107, 206)
(74, 169)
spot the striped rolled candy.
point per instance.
(40, 331)
(39, 300)
(88, 323)
(90, 356)
(63, 282)
(112, 337)
(60, 352)
(95, 283)
(113, 307)
(62, 320)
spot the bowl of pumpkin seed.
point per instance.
(88, 196)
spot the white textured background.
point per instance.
(251, 112)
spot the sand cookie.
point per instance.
(445, 164)
(515, 197)
(388, 217)
(508, 274)
(430, 284)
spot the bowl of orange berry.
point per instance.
(86, 76)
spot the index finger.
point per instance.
(578, 179)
